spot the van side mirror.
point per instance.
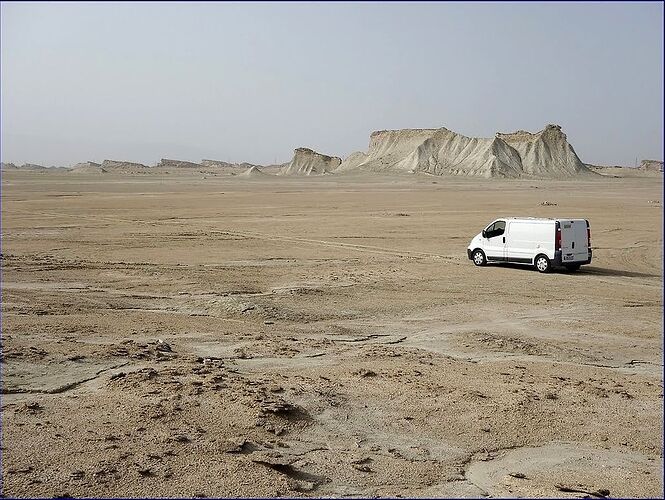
(484, 234)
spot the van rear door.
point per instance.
(574, 241)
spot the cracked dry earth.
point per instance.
(167, 335)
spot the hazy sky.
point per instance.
(251, 82)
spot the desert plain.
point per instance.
(221, 336)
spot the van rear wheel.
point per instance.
(572, 267)
(543, 264)
(478, 257)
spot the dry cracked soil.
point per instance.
(172, 335)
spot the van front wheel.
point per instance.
(479, 258)
(543, 264)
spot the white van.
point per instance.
(543, 243)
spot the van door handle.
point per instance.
(573, 244)
(504, 239)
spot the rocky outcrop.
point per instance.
(32, 166)
(253, 171)
(7, 166)
(546, 153)
(444, 152)
(598, 167)
(86, 164)
(165, 162)
(88, 167)
(651, 165)
(121, 165)
(216, 163)
(248, 165)
(308, 162)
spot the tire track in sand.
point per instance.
(453, 259)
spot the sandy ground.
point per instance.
(171, 335)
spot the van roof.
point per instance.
(537, 219)
(529, 218)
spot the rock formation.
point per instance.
(444, 152)
(88, 167)
(32, 166)
(165, 162)
(308, 162)
(651, 165)
(246, 165)
(253, 171)
(216, 163)
(121, 165)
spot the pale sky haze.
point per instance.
(251, 82)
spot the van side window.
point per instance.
(496, 229)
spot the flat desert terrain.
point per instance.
(174, 335)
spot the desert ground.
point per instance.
(175, 335)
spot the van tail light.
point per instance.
(588, 233)
(557, 237)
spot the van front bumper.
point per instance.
(468, 254)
